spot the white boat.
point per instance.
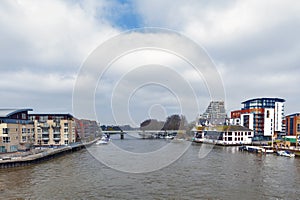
(170, 137)
(268, 149)
(285, 153)
(104, 140)
(198, 140)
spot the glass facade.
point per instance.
(262, 103)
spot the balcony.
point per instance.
(45, 138)
(56, 139)
(56, 125)
(45, 125)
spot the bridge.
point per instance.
(145, 134)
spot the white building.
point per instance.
(225, 135)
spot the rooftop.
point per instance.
(294, 115)
(6, 112)
(264, 99)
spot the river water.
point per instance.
(225, 173)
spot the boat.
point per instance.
(104, 140)
(252, 149)
(170, 137)
(198, 140)
(285, 153)
(268, 149)
(198, 137)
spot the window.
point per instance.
(6, 139)
(66, 141)
(2, 149)
(23, 138)
(298, 127)
(43, 118)
(14, 148)
(23, 116)
(5, 130)
(66, 130)
(23, 130)
(66, 125)
(230, 133)
(229, 138)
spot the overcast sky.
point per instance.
(254, 45)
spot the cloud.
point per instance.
(254, 44)
(43, 44)
(49, 34)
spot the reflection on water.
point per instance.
(225, 173)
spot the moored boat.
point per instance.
(104, 140)
(285, 153)
(268, 149)
(253, 149)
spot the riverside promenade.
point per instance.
(21, 159)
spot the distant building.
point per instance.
(53, 129)
(263, 115)
(16, 130)
(215, 114)
(86, 130)
(293, 124)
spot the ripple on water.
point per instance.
(224, 174)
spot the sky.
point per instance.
(254, 46)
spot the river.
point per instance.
(225, 173)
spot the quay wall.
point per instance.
(42, 156)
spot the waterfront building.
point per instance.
(86, 130)
(265, 116)
(292, 123)
(16, 130)
(224, 135)
(53, 129)
(215, 114)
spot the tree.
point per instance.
(151, 124)
(172, 123)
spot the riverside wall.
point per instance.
(46, 154)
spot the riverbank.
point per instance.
(35, 156)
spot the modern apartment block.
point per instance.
(215, 114)
(53, 129)
(293, 124)
(16, 130)
(265, 116)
